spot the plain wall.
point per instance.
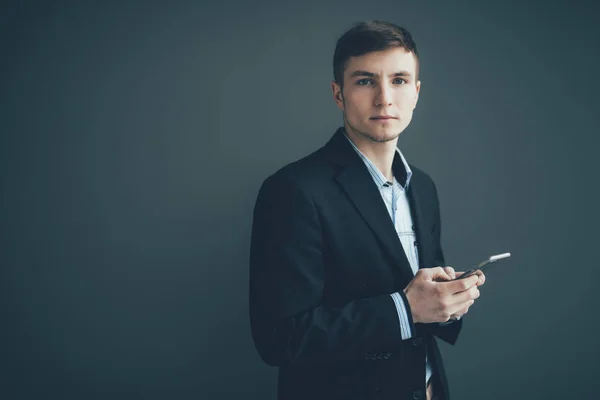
(134, 138)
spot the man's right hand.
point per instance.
(433, 300)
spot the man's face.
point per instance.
(379, 95)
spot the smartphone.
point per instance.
(483, 265)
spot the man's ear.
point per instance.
(417, 94)
(338, 96)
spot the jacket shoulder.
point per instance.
(305, 173)
(421, 176)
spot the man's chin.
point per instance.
(381, 137)
(376, 134)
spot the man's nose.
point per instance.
(384, 96)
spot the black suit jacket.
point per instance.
(324, 259)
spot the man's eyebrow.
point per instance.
(371, 74)
(362, 73)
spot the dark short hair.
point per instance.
(366, 37)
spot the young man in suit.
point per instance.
(348, 285)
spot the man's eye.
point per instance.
(364, 82)
(399, 81)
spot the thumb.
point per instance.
(450, 271)
(438, 274)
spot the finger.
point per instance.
(461, 285)
(466, 295)
(450, 272)
(481, 277)
(461, 309)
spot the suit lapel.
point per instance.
(357, 183)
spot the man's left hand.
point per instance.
(453, 274)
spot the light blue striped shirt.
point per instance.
(396, 201)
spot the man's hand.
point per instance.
(450, 272)
(433, 297)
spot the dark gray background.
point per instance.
(134, 138)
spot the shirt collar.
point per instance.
(400, 168)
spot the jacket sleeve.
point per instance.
(290, 324)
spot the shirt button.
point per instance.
(418, 394)
(417, 341)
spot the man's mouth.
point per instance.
(383, 117)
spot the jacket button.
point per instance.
(417, 341)
(418, 395)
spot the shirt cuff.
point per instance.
(402, 316)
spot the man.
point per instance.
(348, 288)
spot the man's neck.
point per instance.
(381, 154)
